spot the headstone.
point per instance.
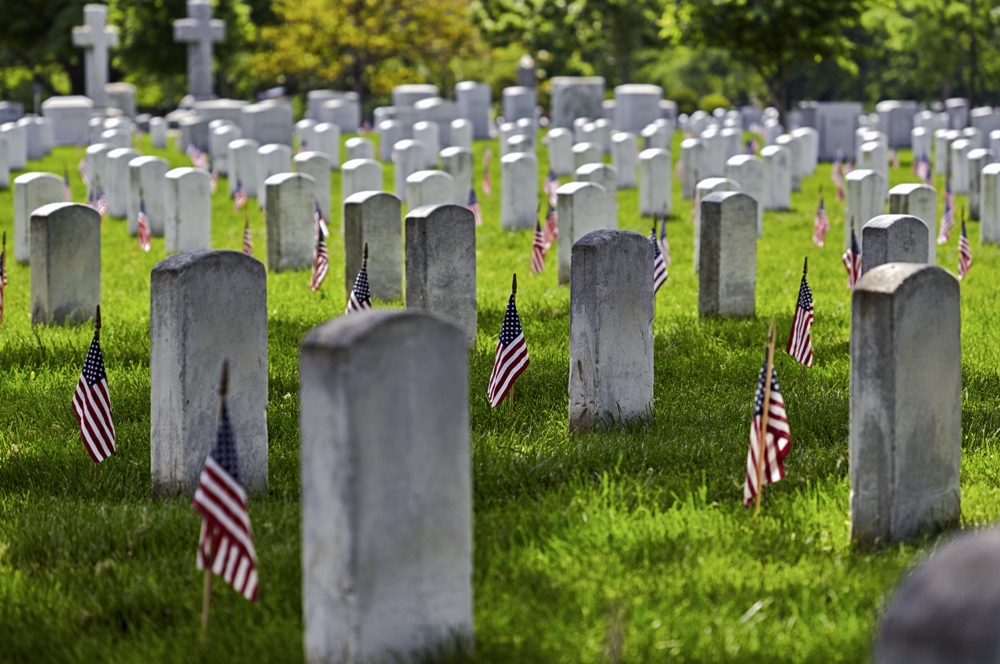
(714, 158)
(291, 235)
(526, 75)
(457, 162)
(119, 137)
(32, 191)
(304, 130)
(147, 177)
(70, 119)
(974, 136)
(610, 330)
(865, 200)
(390, 132)
(317, 165)
(429, 188)
(359, 175)
(777, 160)
(893, 238)
(637, 105)
(440, 111)
(994, 142)
(272, 159)
(560, 142)
(772, 130)
(579, 127)
(243, 165)
(989, 209)
(704, 188)
(65, 263)
(409, 157)
(359, 148)
(344, 112)
(96, 161)
(733, 139)
(326, 137)
(958, 112)
(874, 156)
(906, 403)
(429, 134)
(32, 137)
(474, 100)
(605, 176)
(221, 138)
(809, 139)
(121, 96)
(10, 111)
(655, 182)
(386, 555)
(519, 191)
(17, 147)
(188, 210)
(95, 37)
(985, 119)
(580, 209)
(795, 152)
(268, 122)
(960, 166)
(316, 101)
(374, 218)
(835, 122)
(920, 140)
(896, 121)
(748, 171)
(117, 187)
(978, 160)
(207, 308)
(727, 279)
(575, 97)
(693, 159)
(586, 153)
(158, 132)
(520, 143)
(4, 164)
(519, 102)
(221, 109)
(625, 156)
(410, 94)
(942, 150)
(920, 201)
(656, 137)
(200, 31)
(441, 264)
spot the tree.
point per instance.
(771, 36)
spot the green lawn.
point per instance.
(626, 546)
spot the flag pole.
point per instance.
(206, 597)
(762, 446)
(510, 399)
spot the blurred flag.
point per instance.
(777, 438)
(512, 354)
(240, 198)
(664, 243)
(142, 224)
(487, 181)
(800, 338)
(321, 263)
(319, 221)
(92, 403)
(659, 263)
(538, 249)
(948, 218)
(964, 254)
(821, 224)
(551, 186)
(361, 295)
(473, 205)
(550, 232)
(247, 239)
(81, 168)
(852, 260)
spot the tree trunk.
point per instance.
(973, 55)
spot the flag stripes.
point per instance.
(92, 405)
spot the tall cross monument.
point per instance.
(96, 37)
(200, 31)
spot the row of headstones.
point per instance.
(28, 138)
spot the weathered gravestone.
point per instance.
(374, 219)
(118, 180)
(121, 95)
(693, 166)
(358, 148)
(748, 171)
(777, 160)
(473, 100)
(637, 105)
(344, 112)
(268, 122)
(70, 119)
(317, 165)
(520, 143)
(727, 271)
(390, 132)
(32, 191)
(17, 146)
(893, 238)
(158, 132)
(65, 263)
(272, 159)
(978, 160)
(457, 162)
(188, 210)
(429, 188)
(147, 180)
(409, 157)
(95, 37)
(461, 133)
(704, 188)
(920, 201)
(519, 102)
(656, 136)
(519, 191)
(906, 403)
(560, 149)
(580, 209)
(207, 308)
(4, 164)
(989, 213)
(576, 97)
(96, 163)
(326, 139)
(605, 176)
(960, 166)
(118, 137)
(865, 199)
(200, 31)
(809, 139)
(610, 330)
(795, 161)
(441, 264)
(625, 156)
(440, 111)
(386, 487)
(304, 131)
(221, 138)
(289, 221)
(429, 134)
(920, 138)
(586, 153)
(359, 175)
(655, 182)
(243, 165)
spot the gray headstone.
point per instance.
(958, 112)
(188, 217)
(978, 160)
(974, 136)
(748, 171)
(610, 330)
(920, 139)
(268, 122)
(158, 132)
(519, 102)
(989, 210)
(359, 175)
(4, 164)
(896, 121)
(272, 159)
(959, 152)
(474, 100)
(221, 109)
(809, 140)
(359, 148)
(390, 132)
(795, 154)
(409, 94)
(637, 105)
(374, 218)
(70, 119)
(865, 200)
(147, 176)
(243, 166)
(835, 122)
(655, 182)
(704, 188)
(693, 165)
(576, 97)
(345, 113)
(586, 153)
(625, 157)
(560, 142)
(96, 160)
(579, 126)
(777, 160)
(602, 134)
(386, 553)
(206, 308)
(656, 137)
(32, 137)
(943, 138)
(409, 157)
(117, 186)
(893, 238)
(326, 137)
(10, 111)
(32, 191)
(714, 157)
(304, 131)
(520, 143)
(429, 188)
(526, 75)
(65, 263)
(920, 201)
(457, 162)
(317, 165)
(95, 37)
(200, 31)
(906, 403)
(429, 134)
(220, 140)
(441, 264)
(441, 111)
(580, 209)
(289, 221)
(605, 176)
(461, 133)
(17, 146)
(118, 137)
(121, 96)
(519, 191)
(727, 273)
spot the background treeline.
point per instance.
(703, 52)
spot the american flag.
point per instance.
(837, 175)
(922, 169)
(800, 338)
(225, 545)
(964, 254)
(512, 356)
(101, 204)
(213, 183)
(92, 405)
(67, 190)
(319, 221)
(753, 146)
(240, 197)
(948, 218)
(361, 295)
(551, 186)
(664, 243)
(487, 181)
(142, 223)
(778, 439)
(852, 261)
(550, 232)
(198, 158)
(538, 249)
(821, 224)
(321, 263)
(303, 147)
(473, 205)
(247, 239)
(659, 264)
(81, 168)
(894, 158)
(679, 169)
(3, 274)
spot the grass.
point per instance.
(627, 546)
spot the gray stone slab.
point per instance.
(70, 119)
(474, 100)
(32, 191)
(4, 164)
(390, 132)
(586, 153)
(576, 97)
(866, 193)
(243, 165)
(272, 159)
(359, 175)
(637, 105)
(441, 111)
(457, 162)
(560, 149)
(188, 210)
(959, 172)
(519, 191)
(118, 180)
(748, 171)
(989, 212)
(809, 140)
(359, 148)
(519, 102)
(920, 201)
(428, 133)
(317, 165)
(17, 147)
(580, 209)
(655, 182)
(409, 94)
(326, 139)
(957, 109)
(344, 112)
(65, 263)
(268, 122)
(656, 137)
(605, 176)
(727, 274)
(32, 137)
(693, 166)
(289, 221)
(220, 139)
(704, 188)
(978, 160)
(625, 157)
(777, 160)
(147, 179)
(461, 133)
(158, 132)
(835, 122)
(374, 218)
(429, 188)
(121, 95)
(795, 151)
(893, 238)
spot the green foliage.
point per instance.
(712, 101)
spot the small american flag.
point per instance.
(487, 181)
(321, 263)
(92, 405)
(361, 294)
(473, 205)
(213, 183)
(550, 232)
(303, 147)
(3, 274)
(512, 355)
(664, 243)
(894, 158)
(837, 175)
(852, 261)
(964, 254)
(319, 221)
(753, 146)
(800, 338)
(142, 223)
(659, 263)
(821, 224)
(101, 204)
(225, 545)
(240, 197)
(198, 158)
(922, 169)
(67, 190)
(81, 168)
(778, 438)
(538, 249)
(551, 186)
(948, 218)
(247, 239)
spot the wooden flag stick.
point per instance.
(510, 395)
(762, 446)
(366, 255)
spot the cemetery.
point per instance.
(471, 370)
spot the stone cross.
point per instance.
(200, 31)
(96, 37)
